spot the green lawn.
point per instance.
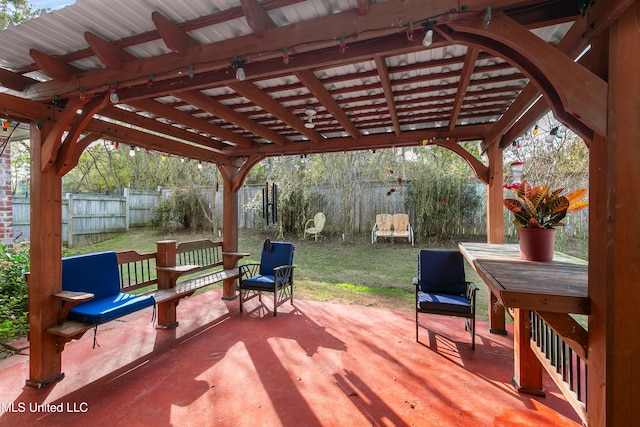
(353, 271)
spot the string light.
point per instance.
(487, 17)
(200, 164)
(113, 94)
(132, 151)
(5, 125)
(190, 71)
(428, 35)
(150, 81)
(343, 45)
(535, 130)
(285, 55)
(238, 64)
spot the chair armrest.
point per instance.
(248, 270)
(416, 281)
(71, 299)
(471, 293)
(284, 272)
(306, 225)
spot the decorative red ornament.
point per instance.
(343, 45)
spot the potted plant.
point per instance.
(537, 211)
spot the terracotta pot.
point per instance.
(536, 244)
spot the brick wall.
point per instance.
(6, 210)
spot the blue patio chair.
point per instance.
(274, 274)
(441, 288)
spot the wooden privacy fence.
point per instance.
(89, 218)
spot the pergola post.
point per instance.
(614, 231)
(45, 277)
(229, 234)
(495, 229)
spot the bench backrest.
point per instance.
(383, 222)
(96, 273)
(400, 222)
(206, 253)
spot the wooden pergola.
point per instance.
(342, 75)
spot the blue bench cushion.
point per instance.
(96, 273)
(103, 310)
(440, 302)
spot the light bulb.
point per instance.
(240, 74)
(428, 34)
(132, 152)
(113, 96)
(200, 165)
(428, 38)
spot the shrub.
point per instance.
(183, 208)
(14, 262)
(443, 205)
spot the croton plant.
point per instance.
(538, 207)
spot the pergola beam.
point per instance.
(273, 107)
(210, 105)
(173, 36)
(385, 81)
(167, 112)
(257, 18)
(110, 55)
(309, 79)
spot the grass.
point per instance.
(351, 271)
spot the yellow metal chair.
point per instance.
(317, 225)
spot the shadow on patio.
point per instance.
(315, 364)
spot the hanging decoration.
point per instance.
(270, 203)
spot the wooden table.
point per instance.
(552, 289)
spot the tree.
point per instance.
(15, 12)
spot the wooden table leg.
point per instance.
(496, 316)
(527, 377)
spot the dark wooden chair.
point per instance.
(441, 288)
(274, 274)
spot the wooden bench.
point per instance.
(158, 275)
(201, 257)
(392, 226)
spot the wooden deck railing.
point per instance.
(564, 359)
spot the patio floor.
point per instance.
(315, 364)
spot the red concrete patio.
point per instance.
(315, 364)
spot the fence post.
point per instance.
(70, 220)
(127, 206)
